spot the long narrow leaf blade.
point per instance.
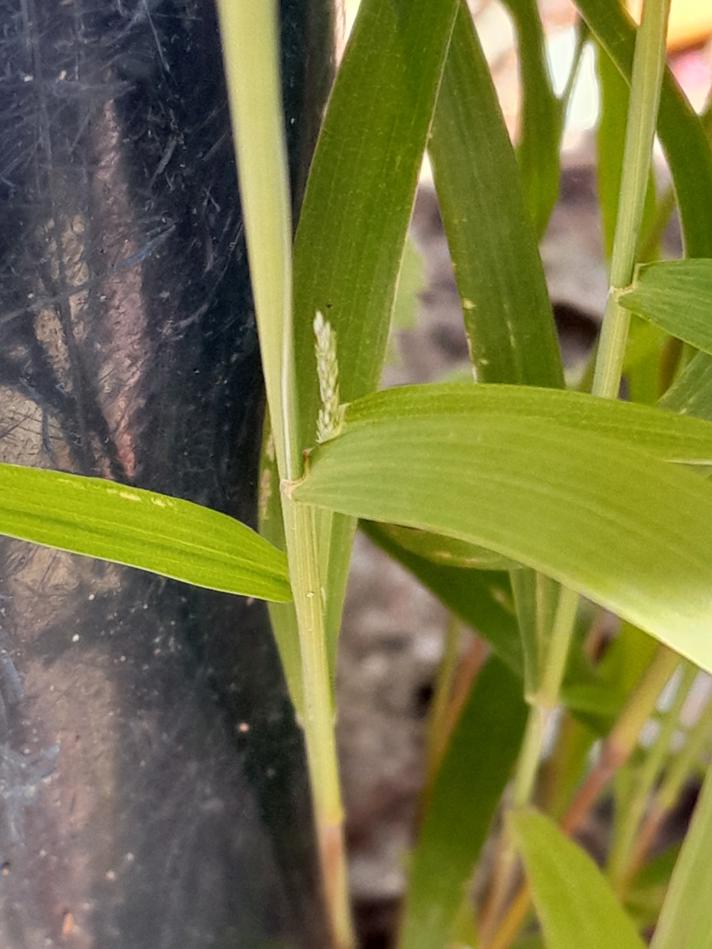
(492, 242)
(353, 223)
(686, 918)
(654, 430)
(612, 522)
(361, 187)
(574, 901)
(542, 116)
(467, 788)
(677, 296)
(153, 532)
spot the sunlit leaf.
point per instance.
(141, 529)
(662, 433)
(411, 283)
(691, 393)
(610, 521)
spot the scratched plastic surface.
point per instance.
(152, 785)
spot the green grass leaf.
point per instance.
(688, 152)
(691, 393)
(610, 521)
(359, 195)
(574, 902)
(153, 532)
(677, 296)
(444, 551)
(651, 429)
(499, 275)
(646, 894)
(542, 118)
(686, 918)
(465, 794)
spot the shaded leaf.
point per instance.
(499, 275)
(677, 296)
(597, 695)
(492, 239)
(465, 794)
(691, 393)
(153, 532)
(573, 900)
(645, 896)
(542, 116)
(444, 551)
(482, 600)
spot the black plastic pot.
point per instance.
(152, 780)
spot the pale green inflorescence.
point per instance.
(328, 420)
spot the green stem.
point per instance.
(542, 704)
(546, 698)
(684, 763)
(318, 723)
(250, 37)
(648, 69)
(629, 823)
(679, 771)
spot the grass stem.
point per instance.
(619, 860)
(251, 49)
(648, 69)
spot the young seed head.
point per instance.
(327, 367)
